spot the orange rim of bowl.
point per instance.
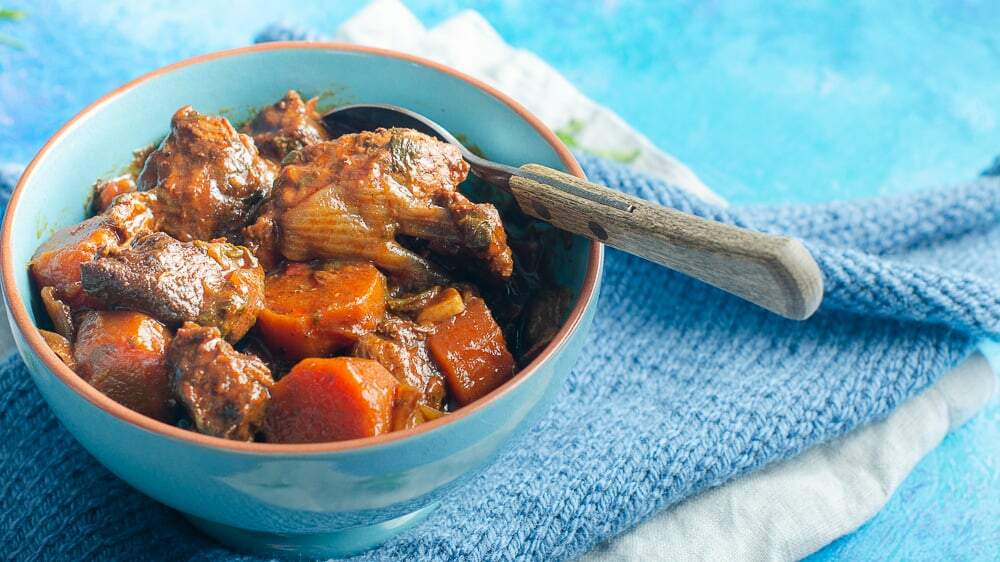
(34, 339)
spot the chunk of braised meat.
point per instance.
(209, 178)
(57, 262)
(351, 197)
(400, 345)
(105, 191)
(233, 304)
(224, 391)
(475, 232)
(212, 283)
(286, 126)
(123, 355)
(262, 238)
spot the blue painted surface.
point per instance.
(816, 102)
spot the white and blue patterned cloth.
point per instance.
(680, 388)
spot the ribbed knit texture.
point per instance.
(680, 388)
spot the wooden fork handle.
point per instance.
(774, 272)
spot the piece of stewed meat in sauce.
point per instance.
(209, 178)
(211, 283)
(225, 392)
(400, 345)
(287, 125)
(350, 198)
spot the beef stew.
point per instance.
(266, 282)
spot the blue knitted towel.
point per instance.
(681, 387)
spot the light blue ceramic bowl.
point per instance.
(321, 499)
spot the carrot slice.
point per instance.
(333, 399)
(123, 354)
(313, 311)
(472, 353)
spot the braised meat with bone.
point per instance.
(352, 197)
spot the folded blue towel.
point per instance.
(680, 388)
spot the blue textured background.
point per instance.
(817, 102)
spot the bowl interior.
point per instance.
(100, 143)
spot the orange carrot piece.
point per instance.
(123, 354)
(105, 191)
(57, 262)
(471, 351)
(333, 399)
(314, 311)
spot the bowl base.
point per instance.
(333, 544)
